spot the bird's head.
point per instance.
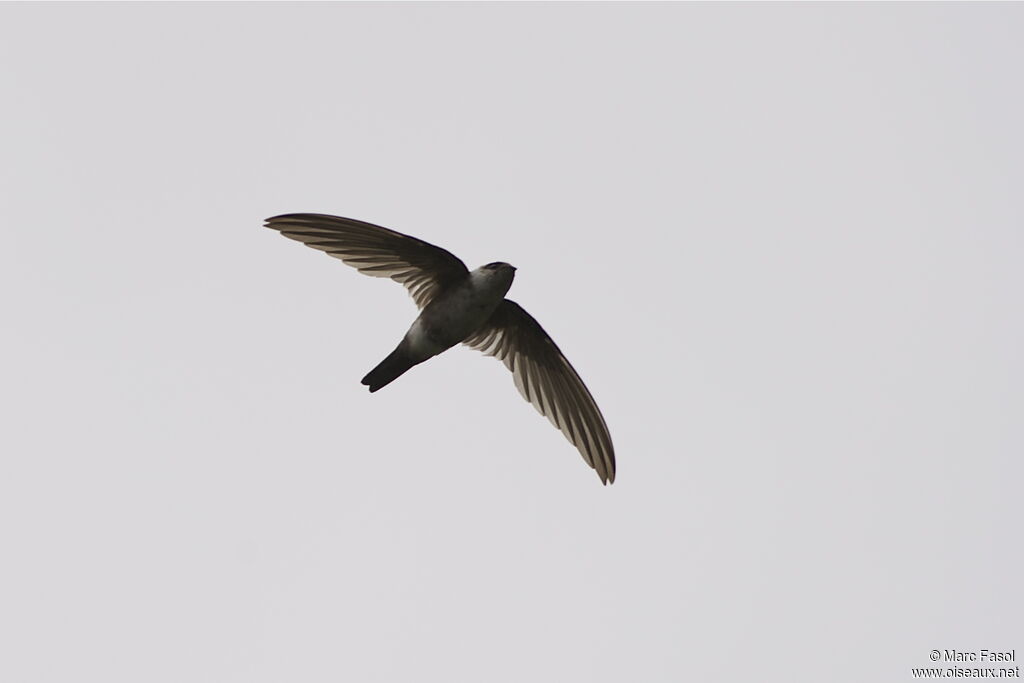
(495, 276)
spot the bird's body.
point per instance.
(449, 319)
(459, 306)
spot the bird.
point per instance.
(468, 307)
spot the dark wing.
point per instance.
(546, 379)
(424, 269)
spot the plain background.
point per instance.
(781, 243)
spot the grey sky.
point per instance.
(782, 244)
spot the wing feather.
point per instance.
(547, 380)
(424, 269)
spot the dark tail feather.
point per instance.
(389, 369)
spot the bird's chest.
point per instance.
(455, 316)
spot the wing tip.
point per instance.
(284, 218)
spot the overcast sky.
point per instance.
(782, 244)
